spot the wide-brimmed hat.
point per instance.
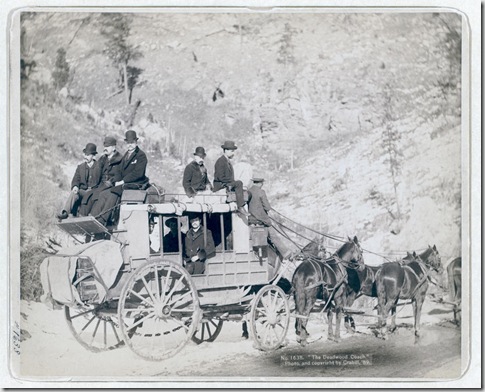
(200, 152)
(169, 221)
(109, 141)
(229, 145)
(257, 179)
(90, 149)
(130, 136)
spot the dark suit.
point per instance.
(111, 173)
(84, 178)
(195, 178)
(194, 243)
(224, 178)
(133, 167)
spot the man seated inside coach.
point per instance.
(198, 246)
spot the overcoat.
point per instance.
(259, 205)
(194, 242)
(85, 178)
(112, 168)
(195, 178)
(132, 171)
(223, 173)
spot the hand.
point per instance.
(194, 258)
(75, 189)
(108, 183)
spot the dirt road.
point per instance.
(50, 351)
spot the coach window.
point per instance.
(173, 233)
(154, 233)
(221, 227)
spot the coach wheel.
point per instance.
(209, 330)
(94, 330)
(158, 310)
(270, 318)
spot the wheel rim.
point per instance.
(208, 331)
(94, 331)
(158, 310)
(270, 317)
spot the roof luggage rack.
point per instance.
(82, 225)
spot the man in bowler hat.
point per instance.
(195, 174)
(110, 163)
(86, 177)
(224, 175)
(133, 168)
(198, 247)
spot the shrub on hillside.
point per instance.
(30, 259)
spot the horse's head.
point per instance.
(434, 259)
(351, 252)
(316, 248)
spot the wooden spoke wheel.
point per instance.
(92, 329)
(158, 310)
(270, 318)
(209, 330)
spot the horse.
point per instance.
(361, 281)
(327, 280)
(454, 283)
(407, 279)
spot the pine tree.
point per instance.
(61, 71)
(116, 28)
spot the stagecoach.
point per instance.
(123, 288)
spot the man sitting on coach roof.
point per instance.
(133, 168)
(110, 163)
(224, 175)
(87, 176)
(195, 174)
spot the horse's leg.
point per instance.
(349, 323)
(304, 301)
(330, 324)
(417, 306)
(245, 333)
(338, 319)
(392, 328)
(381, 311)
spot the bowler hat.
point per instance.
(169, 221)
(130, 136)
(90, 149)
(109, 141)
(257, 179)
(200, 152)
(229, 145)
(192, 217)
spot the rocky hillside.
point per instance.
(354, 119)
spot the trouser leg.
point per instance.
(238, 189)
(102, 210)
(72, 203)
(278, 242)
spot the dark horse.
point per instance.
(327, 280)
(407, 279)
(454, 283)
(361, 281)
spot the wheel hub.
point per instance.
(162, 311)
